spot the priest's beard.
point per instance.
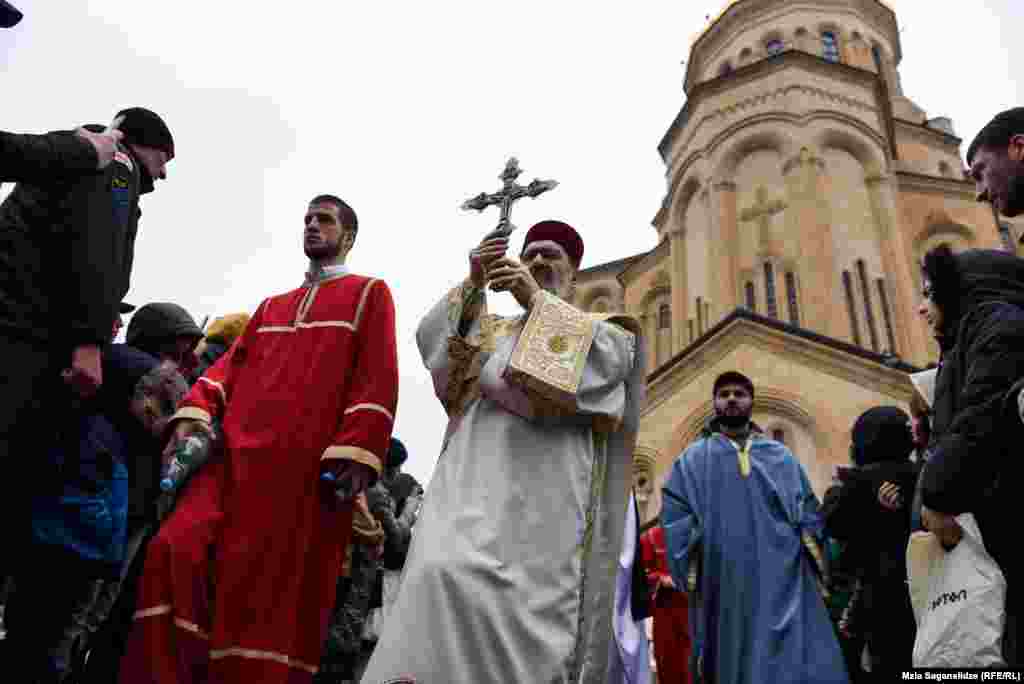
(552, 280)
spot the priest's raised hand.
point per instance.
(492, 247)
(509, 275)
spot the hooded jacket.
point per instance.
(973, 459)
(982, 358)
(66, 252)
(875, 537)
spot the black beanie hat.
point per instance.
(143, 127)
(733, 378)
(160, 321)
(9, 14)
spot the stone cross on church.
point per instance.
(762, 212)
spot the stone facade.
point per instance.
(804, 186)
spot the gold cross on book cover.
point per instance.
(549, 357)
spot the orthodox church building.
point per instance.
(803, 188)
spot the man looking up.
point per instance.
(519, 535)
(310, 387)
(742, 535)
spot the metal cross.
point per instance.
(509, 193)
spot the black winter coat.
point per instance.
(974, 459)
(66, 251)
(44, 159)
(876, 538)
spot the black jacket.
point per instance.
(66, 252)
(43, 159)
(876, 538)
(123, 366)
(974, 458)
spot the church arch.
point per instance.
(863, 148)
(645, 480)
(681, 200)
(767, 138)
(598, 294)
(939, 225)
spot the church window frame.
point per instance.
(883, 298)
(869, 313)
(771, 305)
(779, 434)
(750, 295)
(664, 316)
(851, 307)
(830, 46)
(792, 300)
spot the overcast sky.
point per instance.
(405, 109)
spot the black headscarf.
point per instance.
(963, 282)
(882, 434)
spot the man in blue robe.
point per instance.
(743, 533)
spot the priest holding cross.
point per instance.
(511, 576)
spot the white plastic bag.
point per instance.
(961, 618)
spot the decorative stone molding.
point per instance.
(805, 158)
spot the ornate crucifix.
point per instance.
(509, 193)
(762, 212)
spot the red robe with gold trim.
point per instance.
(670, 610)
(239, 582)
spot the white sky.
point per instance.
(405, 109)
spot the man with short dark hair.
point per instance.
(996, 161)
(307, 393)
(743, 535)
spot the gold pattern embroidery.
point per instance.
(549, 358)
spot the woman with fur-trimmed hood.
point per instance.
(974, 303)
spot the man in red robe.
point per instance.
(670, 610)
(239, 582)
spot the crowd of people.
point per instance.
(756, 581)
(296, 550)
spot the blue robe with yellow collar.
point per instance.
(739, 528)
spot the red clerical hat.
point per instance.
(561, 234)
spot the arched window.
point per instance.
(851, 307)
(779, 435)
(829, 46)
(794, 312)
(664, 317)
(751, 297)
(774, 46)
(883, 298)
(869, 314)
(769, 289)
